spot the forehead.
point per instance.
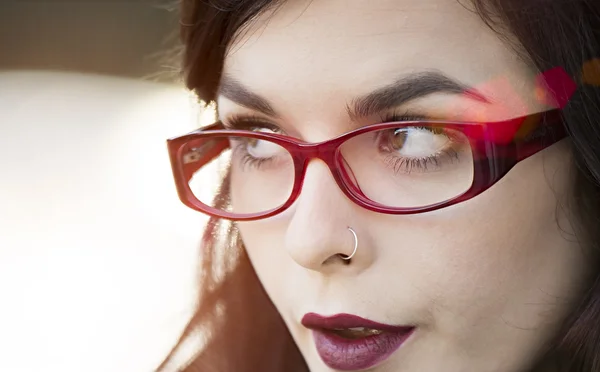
(332, 49)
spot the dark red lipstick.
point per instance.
(349, 343)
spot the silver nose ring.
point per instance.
(346, 257)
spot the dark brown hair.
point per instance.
(242, 329)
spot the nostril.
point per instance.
(336, 259)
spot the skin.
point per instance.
(487, 282)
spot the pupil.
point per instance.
(399, 139)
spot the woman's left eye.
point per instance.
(423, 149)
(415, 142)
(265, 130)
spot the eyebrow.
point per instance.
(237, 92)
(401, 91)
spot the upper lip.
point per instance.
(343, 321)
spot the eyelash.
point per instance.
(406, 165)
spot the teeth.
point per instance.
(355, 329)
(357, 332)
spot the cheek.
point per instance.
(263, 241)
(500, 262)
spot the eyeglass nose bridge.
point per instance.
(329, 152)
(321, 150)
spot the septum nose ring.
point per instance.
(346, 257)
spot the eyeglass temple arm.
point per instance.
(537, 133)
(519, 138)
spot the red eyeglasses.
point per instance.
(395, 168)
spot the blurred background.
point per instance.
(127, 38)
(97, 255)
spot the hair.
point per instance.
(242, 330)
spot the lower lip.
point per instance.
(346, 354)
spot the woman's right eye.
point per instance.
(263, 149)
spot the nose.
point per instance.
(318, 234)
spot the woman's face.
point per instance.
(484, 283)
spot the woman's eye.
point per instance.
(262, 149)
(258, 148)
(415, 142)
(265, 130)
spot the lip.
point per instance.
(346, 354)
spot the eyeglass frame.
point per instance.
(495, 152)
